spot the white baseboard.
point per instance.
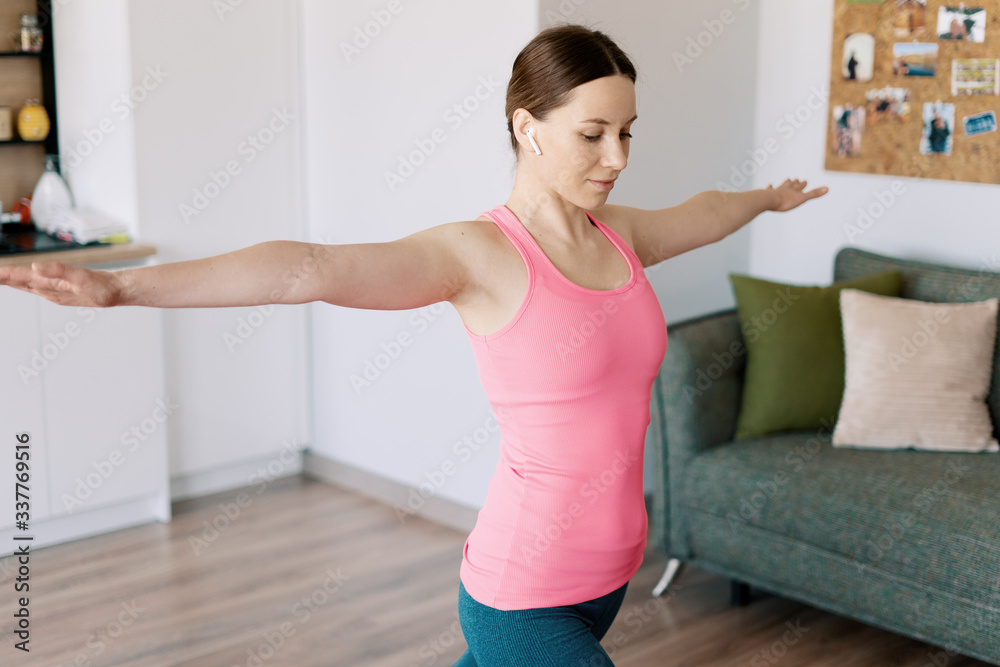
(78, 525)
(394, 494)
(440, 510)
(235, 476)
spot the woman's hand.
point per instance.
(65, 284)
(790, 194)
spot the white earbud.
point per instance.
(534, 144)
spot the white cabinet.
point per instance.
(21, 403)
(88, 385)
(105, 406)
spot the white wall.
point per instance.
(695, 97)
(223, 78)
(933, 220)
(362, 115)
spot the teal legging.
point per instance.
(566, 636)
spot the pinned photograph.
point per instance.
(910, 19)
(887, 104)
(966, 23)
(975, 76)
(859, 57)
(939, 119)
(849, 126)
(914, 59)
(980, 123)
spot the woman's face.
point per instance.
(578, 149)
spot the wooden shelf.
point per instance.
(110, 254)
(25, 75)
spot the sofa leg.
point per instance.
(674, 568)
(739, 593)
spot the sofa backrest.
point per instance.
(926, 281)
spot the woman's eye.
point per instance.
(595, 138)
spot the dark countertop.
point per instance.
(24, 244)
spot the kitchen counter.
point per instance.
(85, 256)
(21, 246)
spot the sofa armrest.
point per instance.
(695, 403)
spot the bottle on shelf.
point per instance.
(31, 34)
(51, 195)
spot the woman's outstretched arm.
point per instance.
(411, 272)
(705, 218)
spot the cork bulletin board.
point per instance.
(915, 89)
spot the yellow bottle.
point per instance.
(33, 121)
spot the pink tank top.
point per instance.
(569, 380)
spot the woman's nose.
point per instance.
(615, 157)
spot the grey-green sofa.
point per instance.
(905, 540)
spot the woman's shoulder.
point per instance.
(617, 217)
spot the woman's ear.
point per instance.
(521, 122)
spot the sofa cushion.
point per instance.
(926, 517)
(917, 373)
(795, 351)
(927, 281)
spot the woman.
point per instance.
(567, 332)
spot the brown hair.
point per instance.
(553, 63)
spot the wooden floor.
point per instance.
(306, 574)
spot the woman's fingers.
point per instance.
(49, 276)
(57, 282)
(16, 276)
(59, 277)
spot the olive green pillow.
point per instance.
(795, 351)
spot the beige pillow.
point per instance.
(916, 373)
